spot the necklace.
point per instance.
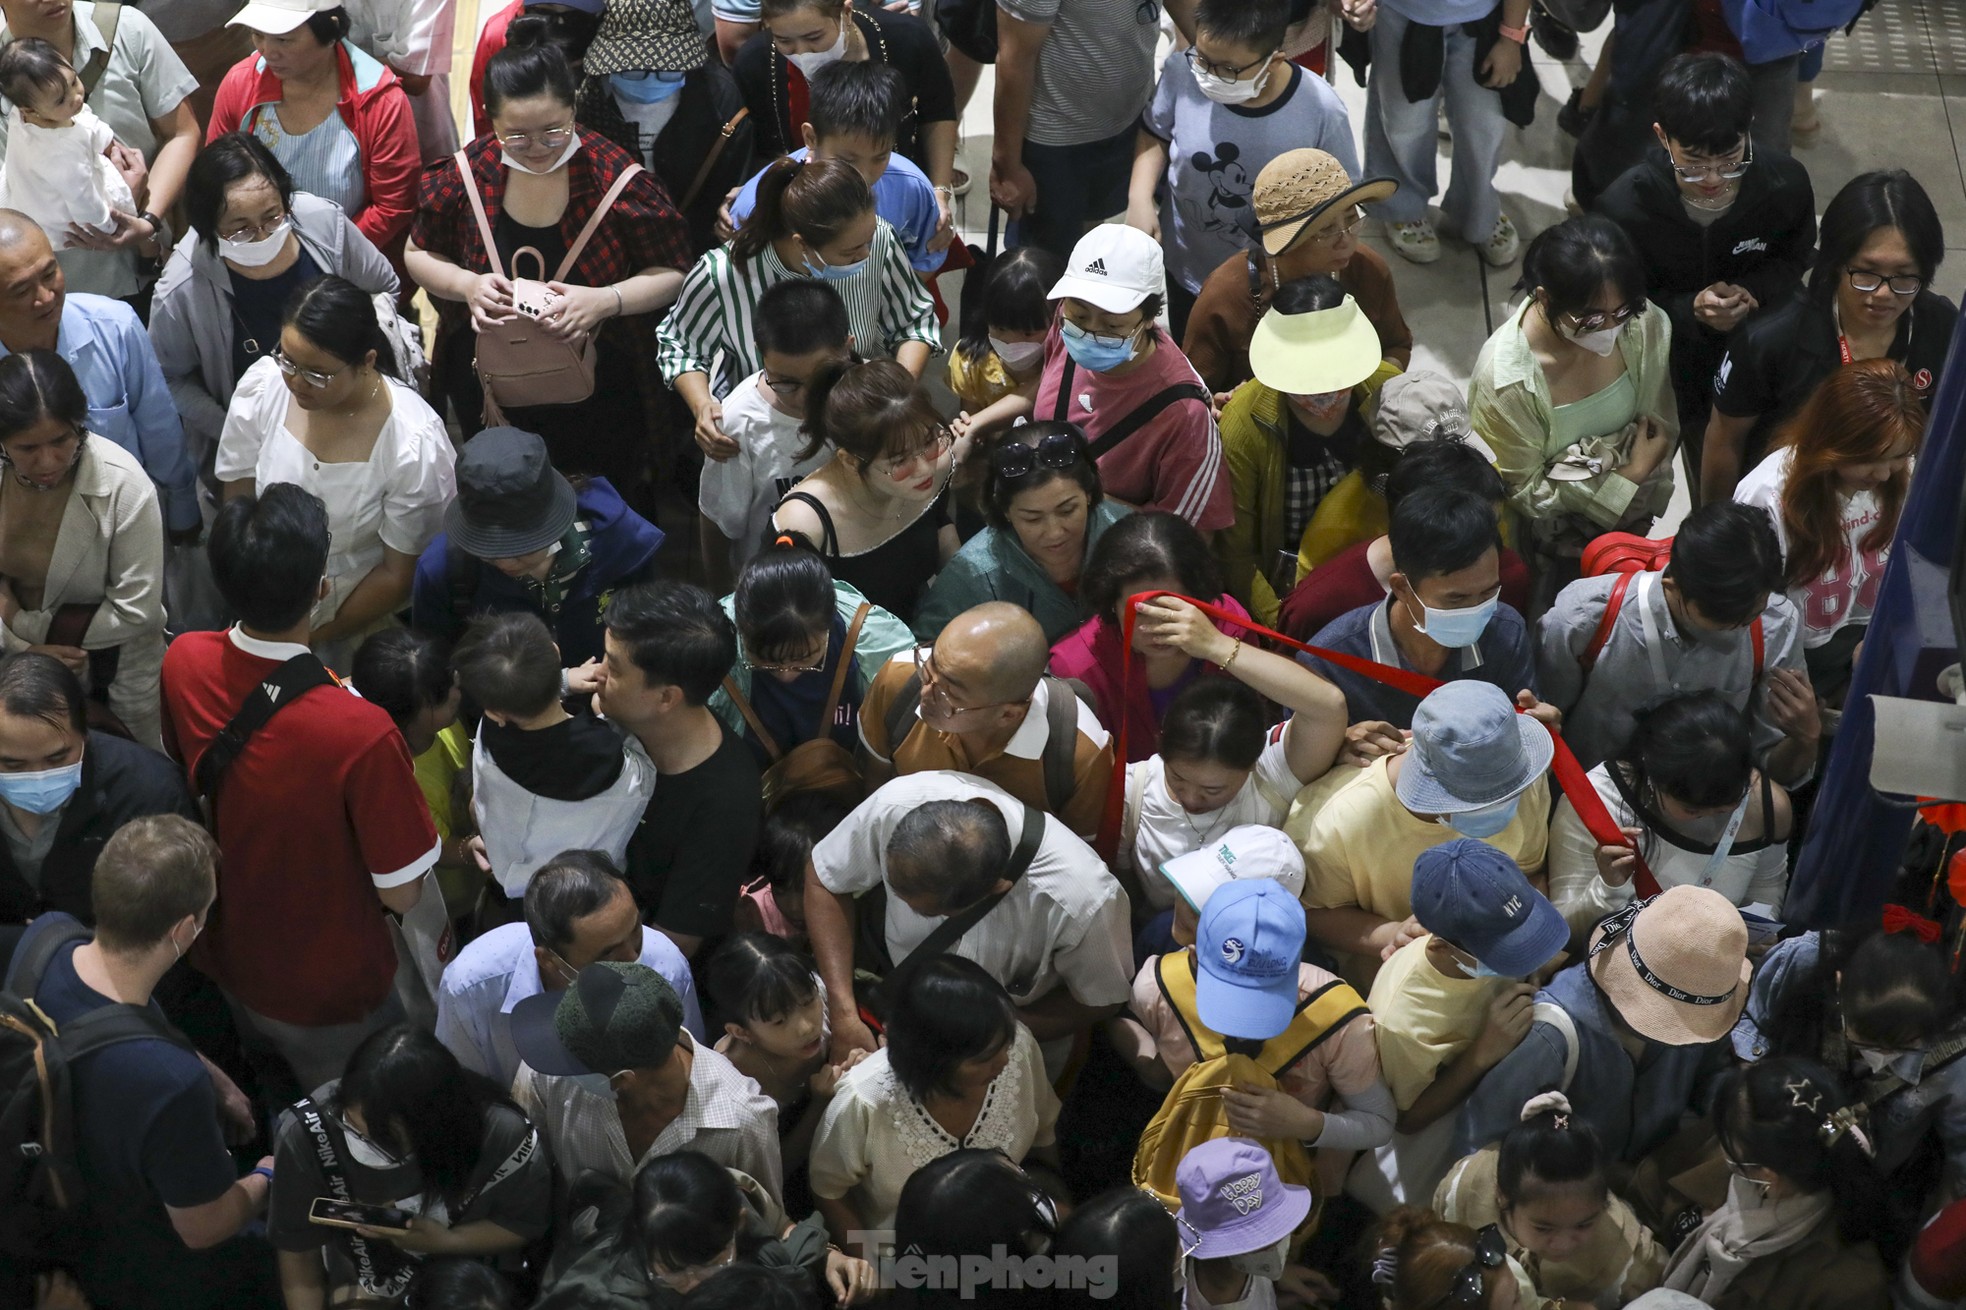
(1201, 838)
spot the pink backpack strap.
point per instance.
(594, 220)
(478, 209)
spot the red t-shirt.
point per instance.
(1174, 463)
(1345, 581)
(319, 810)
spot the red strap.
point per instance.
(1602, 637)
(1570, 775)
(1760, 641)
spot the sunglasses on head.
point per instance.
(1014, 461)
(1468, 1292)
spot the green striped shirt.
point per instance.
(885, 303)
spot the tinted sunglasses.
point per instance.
(1014, 461)
(1468, 1292)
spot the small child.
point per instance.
(57, 168)
(995, 366)
(543, 780)
(773, 901)
(1239, 1217)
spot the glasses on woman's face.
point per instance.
(1599, 319)
(260, 233)
(1343, 230)
(896, 467)
(1014, 461)
(810, 664)
(1868, 280)
(1468, 1291)
(1732, 165)
(311, 377)
(553, 138)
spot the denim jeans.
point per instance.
(1077, 187)
(1400, 136)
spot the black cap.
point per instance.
(510, 499)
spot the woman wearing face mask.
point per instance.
(1574, 395)
(1869, 297)
(1572, 1241)
(1802, 1201)
(793, 619)
(879, 509)
(650, 86)
(1046, 513)
(406, 1126)
(800, 37)
(1881, 1008)
(253, 241)
(1109, 368)
(813, 219)
(1687, 791)
(81, 544)
(1834, 487)
(542, 180)
(1290, 435)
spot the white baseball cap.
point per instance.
(1254, 850)
(1114, 267)
(279, 17)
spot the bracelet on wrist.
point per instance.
(263, 1172)
(1519, 35)
(619, 304)
(1233, 652)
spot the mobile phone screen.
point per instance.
(327, 1210)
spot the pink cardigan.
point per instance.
(1091, 653)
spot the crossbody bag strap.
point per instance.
(1144, 413)
(900, 710)
(951, 930)
(1061, 408)
(593, 225)
(24, 973)
(839, 674)
(106, 17)
(829, 540)
(375, 1263)
(478, 212)
(278, 689)
(1061, 743)
(710, 159)
(738, 699)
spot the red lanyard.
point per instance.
(1843, 347)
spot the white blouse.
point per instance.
(1157, 829)
(874, 1135)
(395, 498)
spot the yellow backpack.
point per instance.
(1193, 1112)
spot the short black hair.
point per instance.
(1440, 530)
(231, 158)
(1571, 261)
(1444, 462)
(755, 975)
(1727, 560)
(687, 1209)
(1142, 547)
(37, 686)
(455, 1282)
(507, 663)
(998, 493)
(676, 634)
(1695, 747)
(1215, 719)
(800, 315)
(1254, 24)
(1887, 197)
(864, 98)
(403, 672)
(330, 25)
(784, 600)
(955, 851)
(1704, 101)
(795, 825)
(946, 1011)
(269, 552)
(1308, 295)
(571, 885)
(30, 67)
(1014, 294)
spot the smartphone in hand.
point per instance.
(353, 1214)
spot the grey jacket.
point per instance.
(191, 323)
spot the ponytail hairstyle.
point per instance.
(1792, 1117)
(1895, 990)
(1417, 1259)
(537, 59)
(1217, 720)
(869, 410)
(1696, 748)
(334, 315)
(1866, 412)
(784, 599)
(1552, 1147)
(813, 200)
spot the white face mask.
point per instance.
(255, 254)
(1223, 91)
(1266, 1263)
(811, 61)
(1601, 342)
(1018, 356)
(558, 163)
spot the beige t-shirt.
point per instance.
(1424, 1018)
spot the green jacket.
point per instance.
(992, 565)
(882, 637)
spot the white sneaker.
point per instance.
(1417, 243)
(1503, 244)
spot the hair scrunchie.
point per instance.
(1552, 1101)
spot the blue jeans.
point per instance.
(1400, 135)
(1077, 187)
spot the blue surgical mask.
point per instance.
(1457, 628)
(1486, 821)
(832, 272)
(1093, 353)
(43, 791)
(646, 86)
(1480, 970)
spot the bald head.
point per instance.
(18, 231)
(31, 285)
(998, 650)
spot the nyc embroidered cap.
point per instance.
(1233, 1199)
(616, 1016)
(1114, 267)
(1252, 850)
(1476, 897)
(1247, 949)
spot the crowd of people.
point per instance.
(1084, 813)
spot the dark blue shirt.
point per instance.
(258, 305)
(1502, 657)
(790, 711)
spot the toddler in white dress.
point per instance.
(57, 169)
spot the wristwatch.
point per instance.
(160, 232)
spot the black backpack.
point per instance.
(41, 1190)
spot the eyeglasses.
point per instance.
(1726, 171)
(1468, 1291)
(934, 689)
(754, 666)
(260, 233)
(553, 138)
(1227, 72)
(1014, 461)
(349, 1131)
(893, 466)
(1597, 320)
(313, 379)
(1331, 236)
(1867, 280)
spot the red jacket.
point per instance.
(491, 40)
(376, 109)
